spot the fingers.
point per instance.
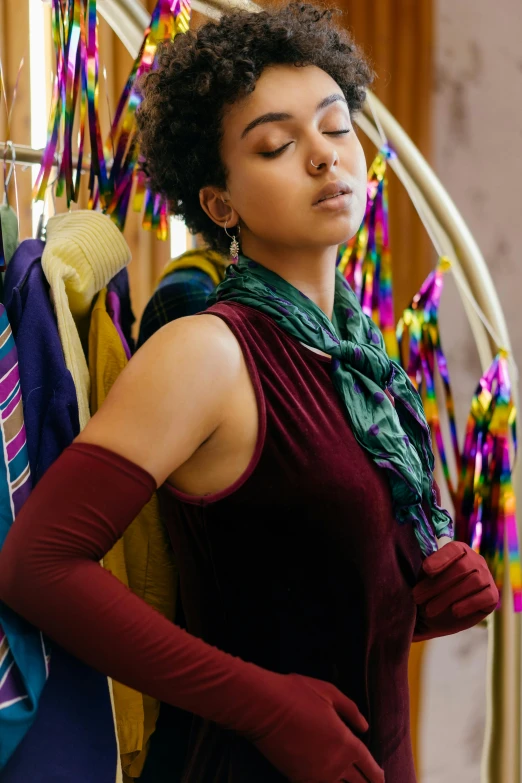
(470, 587)
(368, 771)
(469, 622)
(356, 776)
(349, 712)
(484, 602)
(428, 589)
(442, 559)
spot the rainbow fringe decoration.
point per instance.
(366, 260)
(420, 321)
(486, 513)
(75, 85)
(168, 18)
(76, 91)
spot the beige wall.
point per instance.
(477, 141)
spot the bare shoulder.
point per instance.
(203, 339)
(205, 332)
(171, 396)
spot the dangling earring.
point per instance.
(234, 245)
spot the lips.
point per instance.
(339, 193)
(331, 190)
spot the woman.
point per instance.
(287, 446)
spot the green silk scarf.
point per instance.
(396, 437)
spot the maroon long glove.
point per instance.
(455, 592)
(308, 742)
(50, 574)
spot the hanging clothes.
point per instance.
(183, 289)
(17, 485)
(72, 737)
(23, 660)
(83, 251)
(48, 392)
(114, 311)
(119, 285)
(141, 559)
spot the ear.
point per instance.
(215, 204)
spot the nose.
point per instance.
(323, 160)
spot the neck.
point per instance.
(310, 270)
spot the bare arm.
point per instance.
(171, 397)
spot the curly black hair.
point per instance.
(200, 73)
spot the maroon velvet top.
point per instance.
(300, 565)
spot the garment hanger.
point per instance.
(41, 229)
(8, 176)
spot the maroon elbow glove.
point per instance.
(50, 574)
(455, 592)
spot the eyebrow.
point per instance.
(283, 116)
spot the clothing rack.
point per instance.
(501, 762)
(29, 156)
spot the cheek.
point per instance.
(261, 191)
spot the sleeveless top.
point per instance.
(299, 566)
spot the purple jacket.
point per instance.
(50, 404)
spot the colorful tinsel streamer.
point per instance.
(91, 88)
(168, 18)
(74, 30)
(486, 508)
(365, 261)
(420, 322)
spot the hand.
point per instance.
(456, 592)
(312, 741)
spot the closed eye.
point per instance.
(274, 153)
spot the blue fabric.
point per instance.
(23, 674)
(72, 739)
(50, 404)
(183, 292)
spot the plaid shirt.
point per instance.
(183, 292)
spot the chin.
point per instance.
(341, 235)
(339, 230)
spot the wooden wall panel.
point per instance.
(14, 46)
